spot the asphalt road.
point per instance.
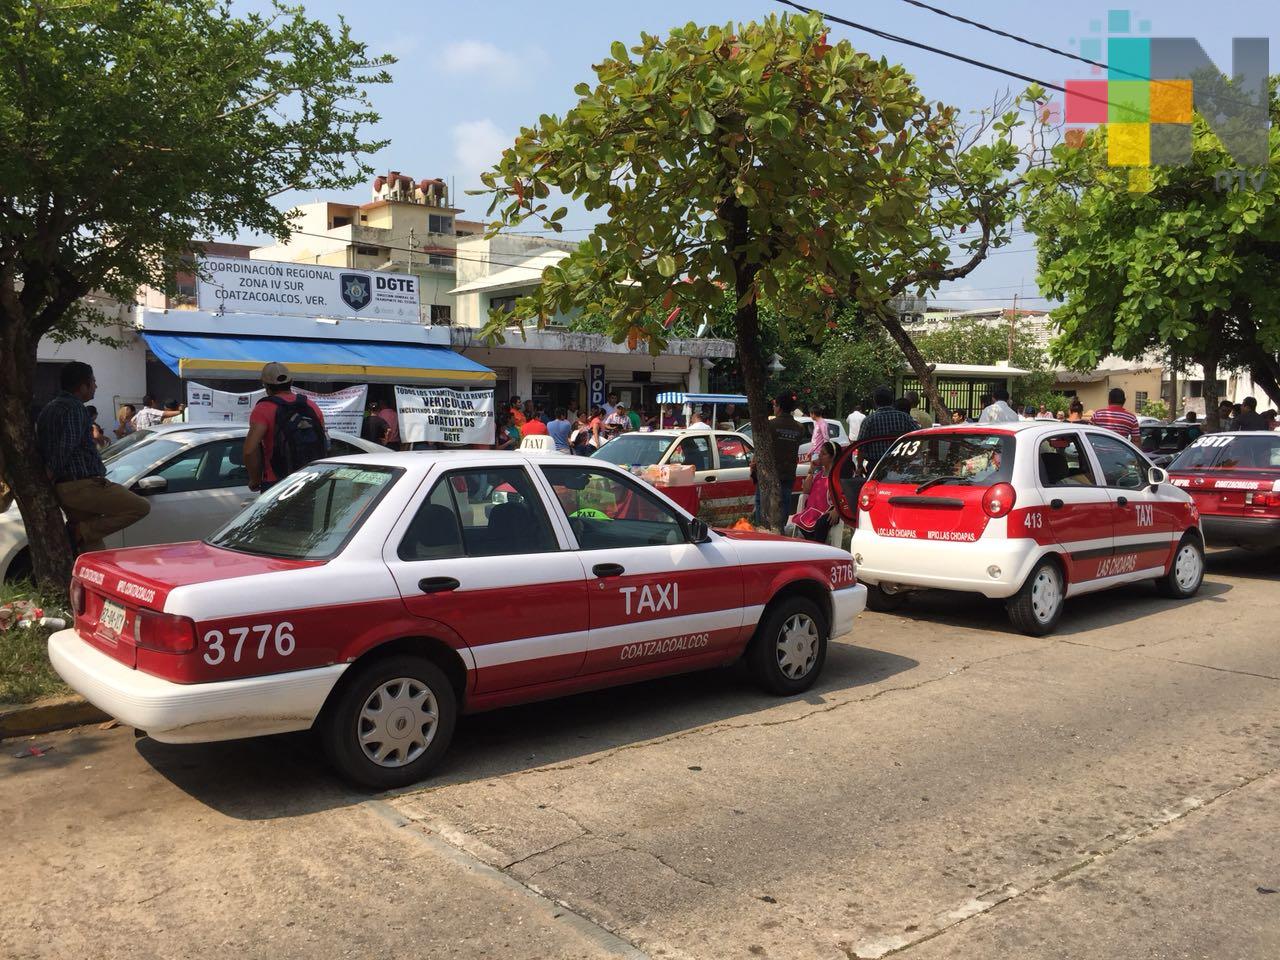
(951, 789)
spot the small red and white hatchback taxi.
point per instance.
(1033, 512)
(377, 596)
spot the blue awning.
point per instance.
(195, 356)
(701, 398)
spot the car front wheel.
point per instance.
(790, 647)
(391, 722)
(1036, 608)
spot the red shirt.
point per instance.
(264, 412)
(1118, 420)
(534, 426)
(388, 414)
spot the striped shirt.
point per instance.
(1119, 420)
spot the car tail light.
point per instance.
(998, 500)
(77, 598)
(163, 632)
(868, 495)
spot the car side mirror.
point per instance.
(698, 531)
(152, 484)
(1157, 476)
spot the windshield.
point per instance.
(638, 449)
(310, 515)
(965, 458)
(1223, 451)
(130, 464)
(1167, 439)
(125, 443)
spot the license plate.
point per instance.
(112, 618)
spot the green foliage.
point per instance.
(974, 340)
(132, 128)
(1189, 265)
(1155, 408)
(841, 368)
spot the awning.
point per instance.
(701, 398)
(194, 356)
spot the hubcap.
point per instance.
(1046, 594)
(797, 646)
(398, 722)
(1187, 568)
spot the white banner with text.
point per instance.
(441, 415)
(304, 289)
(343, 409)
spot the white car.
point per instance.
(376, 597)
(835, 430)
(1033, 512)
(718, 457)
(193, 475)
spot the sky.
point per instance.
(471, 74)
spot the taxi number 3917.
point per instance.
(233, 641)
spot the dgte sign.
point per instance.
(301, 289)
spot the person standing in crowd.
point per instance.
(540, 413)
(517, 413)
(585, 437)
(854, 420)
(100, 439)
(648, 419)
(1225, 415)
(696, 421)
(533, 427)
(374, 429)
(788, 436)
(999, 411)
(124, 420)
(610, 403)
(386, 412)
(1250, 419)
(1269, 420)
(885, 425)
(821, 432)
(560, 429)
(286, 431)
(731, 415)
(1044, 413)
(1060, 416)
(152, 414)
(1075, 411)
(1116, 418)
(634, 416)
(616, 420)
(95, 507)
(817, 488)
(920, 414)
(506, 435)
(957, 417)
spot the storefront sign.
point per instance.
(301, 289)
(595, 385)
(441, 415)
(343, 409)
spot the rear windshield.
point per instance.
(309, 515)
(1222, 451)
(639, 449)
(1167, 439)
(980, 459)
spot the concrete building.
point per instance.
(551, 365)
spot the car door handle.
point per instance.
(608, 570)
(438, 584)
(1122, 501)
(709, 478)
(1056, 504)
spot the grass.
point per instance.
(25, 672)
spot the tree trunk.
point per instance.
(1208, 360)
(746, 320)
(922, 369)
(23, 467)
(1266, 374)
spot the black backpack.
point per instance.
(299, 436)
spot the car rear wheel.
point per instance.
(884, 601)
(1035, 608)
(790, 647)
(1186, 572)
(391, 722)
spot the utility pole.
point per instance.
(412, 241)
(1013, 324)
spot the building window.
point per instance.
(368, 251)
(441, 314)
(440, 260)
(1139, 398)
(439, 224)
(505, 304)
(339, 222)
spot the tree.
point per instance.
(130, 130)
(1187, 266)
(755, 161)
(973, 340)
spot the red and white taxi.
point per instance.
(1033, 512)
(376, 597)
(1234, 479)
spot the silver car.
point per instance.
(193, 474)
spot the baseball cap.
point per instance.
(275, 375)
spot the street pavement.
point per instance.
(950, 789)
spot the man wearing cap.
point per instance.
(260, 441)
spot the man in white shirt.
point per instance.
(999, 411)
(696, 422)
(151, 414)
(610, 404)
(855, 420)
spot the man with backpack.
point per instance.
(286, 431)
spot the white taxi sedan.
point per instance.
(376, 597)
(1033, 512)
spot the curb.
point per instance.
(51, 713)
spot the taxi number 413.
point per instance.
(280, 635)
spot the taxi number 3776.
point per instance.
(277, 636)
